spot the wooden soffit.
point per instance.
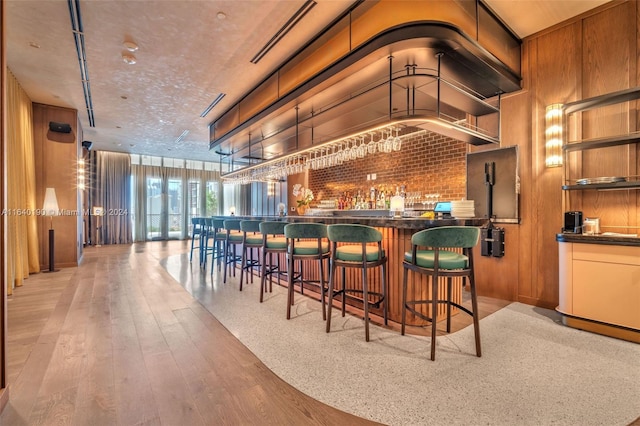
(347, 79)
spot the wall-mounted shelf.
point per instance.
(602, 142)
(603, 186)
(603, 100)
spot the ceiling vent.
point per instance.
(78, 35)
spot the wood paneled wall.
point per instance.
(56, 157)
(590, 55)
(4, 390)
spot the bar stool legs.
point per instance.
(364, 255)
(441, 261)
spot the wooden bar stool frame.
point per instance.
(232, 240)
(436, 239)
(271, 230)
(250, 231)
(364, 236)
(299, 234)
(219, 242)
(197, 230)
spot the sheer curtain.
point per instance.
(113, 193)
(22, 226)
(140, 175)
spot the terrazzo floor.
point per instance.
(533, 370)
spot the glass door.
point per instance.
(174, 208)
(154, 208)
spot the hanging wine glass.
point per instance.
(354, 150)
(397, 142)
(362, 148)
(388, 143)
(371, 146)
(339, 155)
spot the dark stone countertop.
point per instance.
(381, 222)
(598, 239)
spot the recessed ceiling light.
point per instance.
(130, 45)
(221, 15)
(129, 59)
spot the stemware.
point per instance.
(397, 142)
(388, 143)
(354, 150)
(362, 149)
(371, 146)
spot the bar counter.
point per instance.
(396, 240)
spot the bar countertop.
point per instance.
(416, 223)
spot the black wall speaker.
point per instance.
(87, 145)
(59, 127)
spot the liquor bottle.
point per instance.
(372, 198)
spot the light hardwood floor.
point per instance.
(119, 341)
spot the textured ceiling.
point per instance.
(187, 56)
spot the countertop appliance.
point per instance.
(572, 222)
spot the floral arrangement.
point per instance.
(305, 194)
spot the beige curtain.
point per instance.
(22, 226)
(142, 172)
(113, 193)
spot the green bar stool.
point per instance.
(363, 250)
(233, 238)
(438, 262)
(273, 242)
(306, 242)
(251, 242)
(219, 241)
(206, 235)
(197, 229)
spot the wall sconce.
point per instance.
(271, 189)
(50, 208)
(81, 184)
(553, 135)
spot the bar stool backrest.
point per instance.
(348, 233)
(447, 236)
(232, 224)
(197, 223)
(272, 228)
(218, 224)
(305, 230)
(250, 225)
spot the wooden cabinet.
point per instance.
(600, 288)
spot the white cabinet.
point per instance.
(600, 286)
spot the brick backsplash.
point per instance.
(428, 162)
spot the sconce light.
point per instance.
(553, 135)
(232, 210)
(271, 189)
(396, 205)
(50, 208)
(81, 184)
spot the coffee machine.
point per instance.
(572, 222)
